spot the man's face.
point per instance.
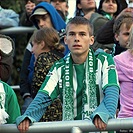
(36, 48)
(43, 21)
(87, 5)
(60, 5)
(123, 35)
(78, 39)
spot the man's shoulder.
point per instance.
(7, 88)
(104, 56)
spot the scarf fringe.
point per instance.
(3, 116)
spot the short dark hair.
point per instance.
(79, 20)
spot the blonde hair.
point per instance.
(50, 37)
(125, 18)
(130, 42)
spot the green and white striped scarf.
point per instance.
(3, 113)
(89, 98)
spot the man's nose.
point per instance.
(76, 38)
(41, 23)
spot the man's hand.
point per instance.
(24, 125)
(99, 123)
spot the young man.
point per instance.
(87, 84)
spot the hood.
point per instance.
(57, 21)
(124, 65)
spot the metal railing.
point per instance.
(17, 30)
(15, 87)
(76, 126)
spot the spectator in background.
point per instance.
(124, 66)
(8, 18)
(109, 8)
(88, 9)
(30, 5)
(7, 47)
(105, 37)
(61, 5)
(9, 107)
(121, 28)
(86, 84)
(43, 15)
(83, 7)
(47, 49)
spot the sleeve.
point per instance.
(12, 105)
(36, 109)
(42, 67)
(10, 18)
(109, 72)
(24, 84)
(107, 108)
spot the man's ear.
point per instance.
(79, 6)
(65, 39)
(116, 37)
(42, 44)
(91, 40)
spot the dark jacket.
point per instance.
(105, 38)
(6, 58)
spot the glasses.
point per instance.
(58, 0)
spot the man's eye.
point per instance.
(37, 21)
(126, 34)
(82, 34)
(71, 34)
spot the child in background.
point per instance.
(47, 49)
(121, 28)
(124, 66)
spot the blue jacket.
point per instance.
(57, 21)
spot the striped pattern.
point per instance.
(105, 76)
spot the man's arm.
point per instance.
(34, 111)
(107, 108)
